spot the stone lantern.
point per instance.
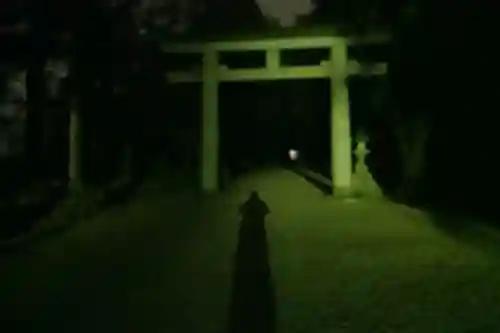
(363, 184)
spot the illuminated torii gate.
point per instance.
(337, 69)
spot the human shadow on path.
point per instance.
(252, 307)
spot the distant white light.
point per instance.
(293, 154)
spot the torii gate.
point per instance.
(337, 69)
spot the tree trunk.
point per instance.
(412, 141)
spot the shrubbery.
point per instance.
(53, 216)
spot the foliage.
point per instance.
(410, 129)
(285, 12)
(44, 209)
(84, 204)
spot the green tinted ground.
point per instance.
(163, 264)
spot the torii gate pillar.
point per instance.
(340, 126)
(210, 123)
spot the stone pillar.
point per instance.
(210, 123)
(74, 167)
(340, 129)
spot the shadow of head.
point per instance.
(254, 208)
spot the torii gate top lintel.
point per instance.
(272, 45)
(315, 37)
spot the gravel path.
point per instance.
(165, 264)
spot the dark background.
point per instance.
(441, 63)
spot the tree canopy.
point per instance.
(181, 15)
